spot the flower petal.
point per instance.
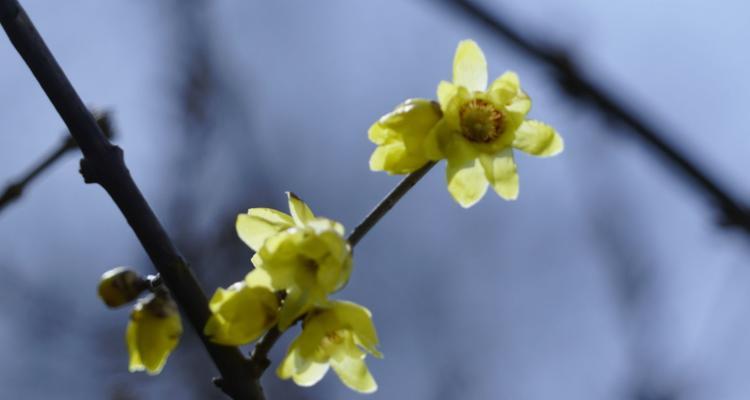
(259, 224)
(394, 158)
(500, 170)
(466, 179)
(353, 373)
(311, 375)
(470, 66)
(301, 213)
(445, 93)
(295, 304)
(538, 139)
(360, 320)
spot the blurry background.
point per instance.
(608, 279)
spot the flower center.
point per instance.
(481, 122)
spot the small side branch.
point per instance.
(15, 190)
(103, 163)
(387, 203)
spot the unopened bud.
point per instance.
(120, 285)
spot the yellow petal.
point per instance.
(465, 175)
(437, 140)
(539, 139)
(258, 277)
(354, 374)
(241, 314)
(311, 375)
(395, 159)
(445, 93)
(303, 371)
(259, 224)
(500, 170)
(151, 337)
(470, 66)
(295, 304)
(301, 213)
(359, 319)
(378, 134)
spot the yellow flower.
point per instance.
(481, 126)
(241, 313)
(400, 136)
(120, 285)
(338, 335)
(303, 254)
(153, 332)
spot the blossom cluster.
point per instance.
(301, 259)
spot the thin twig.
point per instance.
(577, 85)
(15, 190)
(103, 163)
(387, 203)
(259, 357)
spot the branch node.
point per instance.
(90, 168)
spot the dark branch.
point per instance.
(14, 190)
(576, 84)
(387, 203)
(103, 163)
(259, 357)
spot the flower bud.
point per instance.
(120, 285)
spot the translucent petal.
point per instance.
(288, 365)
(151, 338)
(258, 277)
(241, 314)
(259, 224)
(295, 304)
(131, 340)
(354, 374)
(437, 140)
(445, 93)
(312, 374)
(301, 213)
(500, 170)
(378, 134)
(470, 66)
(464, 174)
(538, 139)
(359, 319)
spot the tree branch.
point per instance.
(577, 85)
(15, 190)
(259, 357)
(103, 163)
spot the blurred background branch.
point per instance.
(15, 190)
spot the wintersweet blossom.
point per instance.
(338, 335)
(153, 332)
(241, 313)
(305, 255)
(476, 134)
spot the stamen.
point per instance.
(481, 122)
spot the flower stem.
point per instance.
(387, 203)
